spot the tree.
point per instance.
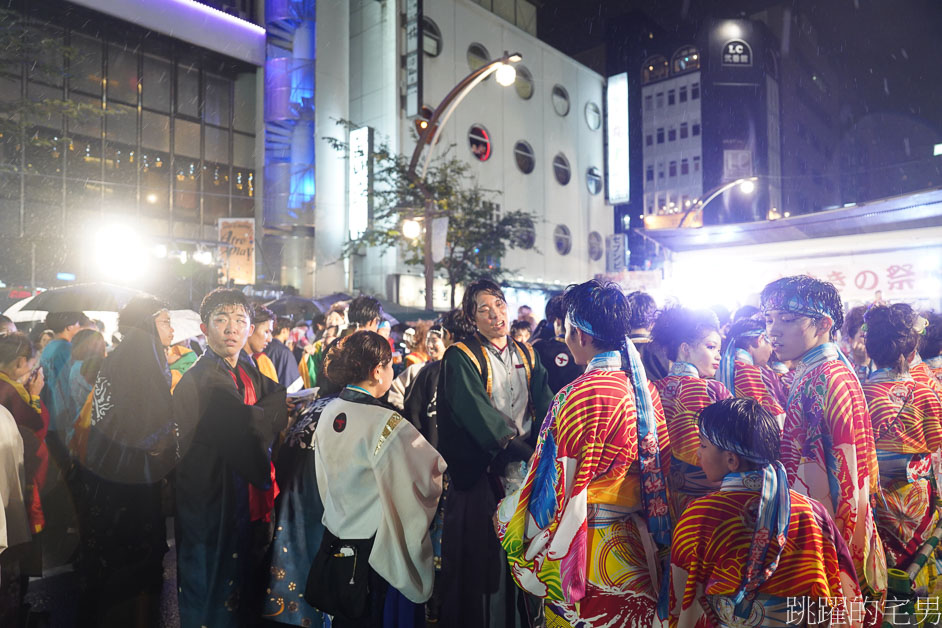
(478, 234)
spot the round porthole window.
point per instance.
(477, 56)
(524, 83)
(593, 180)
(561, 169)
(593, 116)
(480, 142)
(562, 239)
(560, 100)
(431, 37)
(523, 155)
(595, 246)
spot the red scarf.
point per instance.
(261, 502)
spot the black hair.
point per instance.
(220, 298)
(88, 343)
(469, 303)
(15, 345)
(456, 324)
(746, 311)
(677, 325)
(58, 321)
(556, 308)
(809, 289)
(5, 320)
(853, 321)
(742, 326)
(890, 334)
(139, 314)
(353, 357)
(643, 310)
(745, 423)
(603, 306)
(281, 323)
(363, 310)
(519, 325)
(260, 314)
(931, 341)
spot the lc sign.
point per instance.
(737, 53)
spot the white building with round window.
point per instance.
(537, 143)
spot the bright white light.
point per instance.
(160, 250)
(203, 257)
(151, 198)
(119, 253)
(411, 229)
(506, 74)
(730, 30)
(787, 214)
(747, 187)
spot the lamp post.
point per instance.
(747, 186)
(506, 75)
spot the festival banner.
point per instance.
(237, 249)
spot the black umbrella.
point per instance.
(99, 297)
(326, 302)
(294, 307)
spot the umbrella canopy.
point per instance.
(98, 297)
(326, 302)
(294, 307)
(185, 323)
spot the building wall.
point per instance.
(508, 118)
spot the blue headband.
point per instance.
(726, 374)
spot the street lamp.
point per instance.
(746, 186)
(506, 75)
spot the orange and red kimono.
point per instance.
(683, 394)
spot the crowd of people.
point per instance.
(617, 464)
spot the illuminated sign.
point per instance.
(361, 181)
(937, 150)
(616, 99)
(737, 53)
(65, 276)
(413, 27)
(238, 234)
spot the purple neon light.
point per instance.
(213, 13)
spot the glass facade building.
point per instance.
(164, 137)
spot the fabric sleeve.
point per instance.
(685, 610)
(848, 438)
(408, 474)
(932, 420)
(663, 436)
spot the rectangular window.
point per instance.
(696, 129)
(695, 91)
(243, 112)
(660, 171)
(672, 169)
(122, 75)
(684, 166)
(648, 102)
(649, 140)
(155, 84)
(672, 135)
(188, 90)
(671, 97)
(696, 164)
(659, 99)
(660, 136)
(684, 130)
(683, 94)
(649, 173)
(216, 103)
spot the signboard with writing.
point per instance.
(616, 252)
(616, 111)
(360, 206)
(737, 53)
(737, 164)
(238, 252)
(413, 64)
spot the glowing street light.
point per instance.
(506, 74)
(746, 186)
(411, 229)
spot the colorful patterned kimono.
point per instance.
(829, 454)
(684, 394)
(711, 546)
(907, 426)
(577, 533)
(935, 367)
(755, 382)
(922, 374)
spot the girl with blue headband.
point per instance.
(827, 440)
(744, 368)
(692, 341)
(754, 553)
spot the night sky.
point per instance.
(888, 53)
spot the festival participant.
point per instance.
(692, 341)
(404, 379)
(551, 346)
(129, 449)
(228, 415)
(520, 331)
(7, 326)
(262, 321)
(597, 480)
(363, 313)
(755, 553)
(827, 442)
(931, 345)
(55, 361)
(286, 366)
(379, 482)
(312, 362)
(643, 315)
(907, 427)
(853, 341)
(744, 367)
(14, 522)
(88, 353)
(490, 392)
(415, 344)
(919, 370)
